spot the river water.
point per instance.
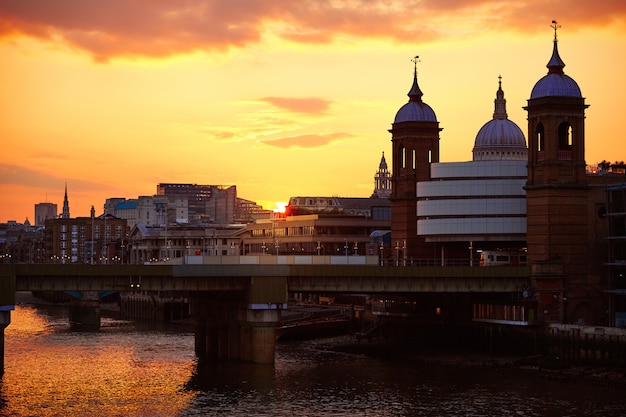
(128, 369)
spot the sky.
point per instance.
(281, 98)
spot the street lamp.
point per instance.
(382, 253)
(397, 252)
(404, 252)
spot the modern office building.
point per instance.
(43, 212)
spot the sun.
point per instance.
(281, 207)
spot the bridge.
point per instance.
(236, 306)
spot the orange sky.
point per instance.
(281, 98)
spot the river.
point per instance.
(130, 369)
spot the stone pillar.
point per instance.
(200, 338)
(5, 320)
(258, 341)
(85, 311)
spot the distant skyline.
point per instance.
(278, 98)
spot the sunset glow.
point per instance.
(279, 99)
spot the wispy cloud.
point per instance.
(27, 177)
(306, 141)
(113, 28)
(308, 105)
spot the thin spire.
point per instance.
(65, 214)
(500, 102)
(556, 64)
(415, 94)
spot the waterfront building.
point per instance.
(311, 234)
(616, 216)
(556, 207)
(175, 243)
(85, 239)
(415, 146)
(567, 228)
(466, 208)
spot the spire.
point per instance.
(383, 164)
(500, 102)
(415, 94)
(556, 64)
(66, 206)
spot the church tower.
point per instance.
(557, 190)
(382, 180)
(65, 214)
(415, 144)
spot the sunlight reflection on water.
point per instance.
(128, 369)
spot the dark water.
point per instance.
(127, 370)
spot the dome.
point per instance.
(415, 110)
(500, 133)
(500, 138)
(555, 83)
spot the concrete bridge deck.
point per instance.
(298, 278)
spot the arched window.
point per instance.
(565, 137)
(413, 159)
(403, 156)
(540, 138)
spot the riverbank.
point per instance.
(542, 365)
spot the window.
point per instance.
(565, 136)
(540, 138)
(403, 156)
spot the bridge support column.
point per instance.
(85, 311)
(228, 330)
(258, 335)
(5, 320)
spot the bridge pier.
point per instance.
(5, 320)
(234, 331)
(239, 325)
(85, 310)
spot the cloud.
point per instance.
(306, 141)
(26, 177)
(311, 105)
(156, 28)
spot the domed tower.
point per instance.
(556, 191)
(382, 180)
(500, 138)
(415, 143)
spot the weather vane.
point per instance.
(415, 60)
(555, 25)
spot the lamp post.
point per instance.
(263, 247)
(319, 248)
(382, 253)
(397, 253)
(356, 248)
(123, 247)
(404, 253)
